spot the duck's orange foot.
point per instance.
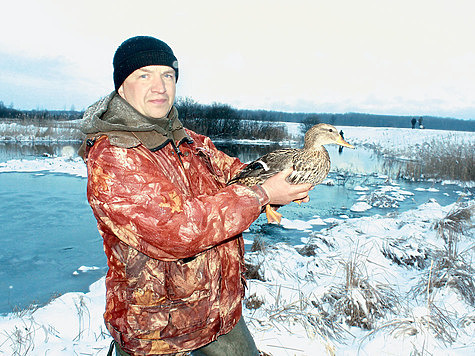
(299, 201)
(272, 215)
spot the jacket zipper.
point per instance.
(185, 172)
(178, 153)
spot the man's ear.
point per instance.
(120, 91)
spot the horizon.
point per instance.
(381, 58)
(266, 110)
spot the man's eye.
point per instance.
(143, 76)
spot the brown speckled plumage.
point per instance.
(311, 163)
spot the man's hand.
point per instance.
(281, 192)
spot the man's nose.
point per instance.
(158, 85)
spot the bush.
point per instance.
(222, 121)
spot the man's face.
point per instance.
(150, 90)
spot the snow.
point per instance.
(391, 256)
(360, 206)
(84, 269)
(296, 224)
(67, 165)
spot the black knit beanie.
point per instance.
(138, 52)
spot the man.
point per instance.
(171, 227)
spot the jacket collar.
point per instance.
(126, 127)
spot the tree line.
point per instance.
(34, 115)
(190, 110)
(224, 121)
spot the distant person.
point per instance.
(172, 228)
(340, 148)
(420, 123)
(413, 122)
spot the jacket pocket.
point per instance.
(190, 314)
(178, 302)
(186, 278)
(147, 322)
(170, 319)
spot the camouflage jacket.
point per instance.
(172, 236)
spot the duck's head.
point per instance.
(322, 134)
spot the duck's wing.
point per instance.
(310, 167)
(264, 167)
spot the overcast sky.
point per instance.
(412, 57)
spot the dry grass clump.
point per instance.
(22, 338)
(309, 313)
(456, 223)
(21, 312)
(253, 302)
(450, 272)
(82, 312)
(403, 254)
(290, 304)
(358, 302)
(316, 243)
(259, 245)
(253, 270)
(312, 316)
(467, 320)
(447, 159)
(451, 268)
(439, 159)
(430, 321)
(309, 250)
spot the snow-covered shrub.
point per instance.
(451, 267)
(358, 301)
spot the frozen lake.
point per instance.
(51, 243)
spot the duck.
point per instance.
(310, 164)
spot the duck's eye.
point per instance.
(331, 130)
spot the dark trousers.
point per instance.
(238, 342)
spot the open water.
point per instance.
(47, 230)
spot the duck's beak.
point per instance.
(340, 141)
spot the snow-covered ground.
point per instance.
(391, 138)
(379, 285)
(18, 132)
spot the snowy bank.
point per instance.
(393, 139)
(56, 131)
(300, 302)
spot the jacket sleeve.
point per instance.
(145, 209)
(229, 165)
